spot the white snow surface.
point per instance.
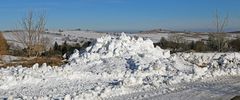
(8, 58)
(114, 67)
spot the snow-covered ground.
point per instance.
(71, 37)
(218, 88)
(124, 67)
(8, 58)
(75, 36)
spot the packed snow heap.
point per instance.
(112, 66)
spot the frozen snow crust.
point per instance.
(112, 66)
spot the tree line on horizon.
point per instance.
(214, 43)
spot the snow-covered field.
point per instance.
(124, 67)
(71, 37)
(74, 36)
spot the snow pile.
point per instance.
(112, 66)
(15, 76)
(127, 62)
(217, 64)
(124, 46)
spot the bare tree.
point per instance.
(218, 40)
(31, 33)
(220, 23)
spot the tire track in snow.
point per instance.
(211, 82)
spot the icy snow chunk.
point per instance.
(35, 66)
(67, 97)
(75, 55)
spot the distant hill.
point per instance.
(234, 32)
(161, 31)
(173, 31)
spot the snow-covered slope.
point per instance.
(114, 66)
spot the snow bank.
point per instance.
(112, 66)
(131, 62)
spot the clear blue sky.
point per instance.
(123, 14)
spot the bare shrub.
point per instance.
(3, 45)
(177, 38)
(31, 33)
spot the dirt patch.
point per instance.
(236, 98)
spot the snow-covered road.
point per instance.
(219, 88)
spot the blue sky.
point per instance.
(123, 15)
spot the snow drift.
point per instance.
(112, 66)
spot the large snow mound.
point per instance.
(124, 46)
(113, 66)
